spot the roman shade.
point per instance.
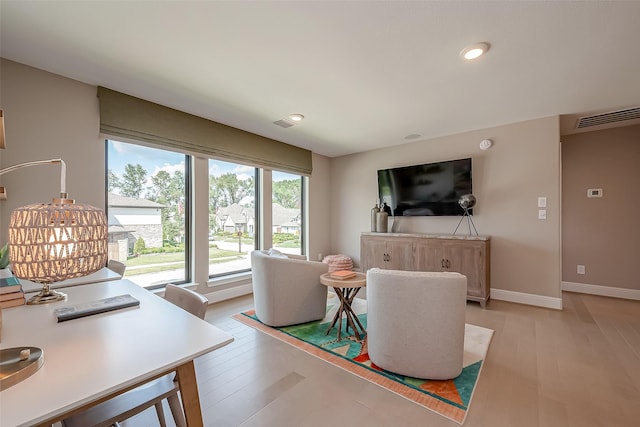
(126, 116)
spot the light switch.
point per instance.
(542, 202)
(542, 214)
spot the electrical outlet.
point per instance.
(581, 269)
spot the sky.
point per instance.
(153, 160)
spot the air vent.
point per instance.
(284, 123)
(606, 118)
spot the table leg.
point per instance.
(343, 303)
(189, 393)
(355, 317)
(352, 318)
(346, 296)
(338, 314)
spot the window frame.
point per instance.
(262, 231)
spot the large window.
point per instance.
(232, 217)
(287, 215)
(150, 204)
(147, 205)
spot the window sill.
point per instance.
(229, 279)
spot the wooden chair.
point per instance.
(117, 266)
(126, 405)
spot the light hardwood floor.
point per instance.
(576, 367)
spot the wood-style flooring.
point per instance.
(579, 367)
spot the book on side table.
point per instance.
(342, 274)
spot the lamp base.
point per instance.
(469, 222)
(45, 296)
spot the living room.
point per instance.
(48, 115)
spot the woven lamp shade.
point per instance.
(57, 241)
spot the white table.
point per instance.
(90, 359)
(101, 275)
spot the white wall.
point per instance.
(523, 164)
(609, 250)
(319, 218)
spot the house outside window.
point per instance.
(232, 217)
(147, 213)
(287, 202)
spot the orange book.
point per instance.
(11, 295)
(342, 274)
(13, 302)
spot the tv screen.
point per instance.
(426, 190)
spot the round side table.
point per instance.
(346, 290)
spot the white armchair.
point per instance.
(287, 290)
(415, 322)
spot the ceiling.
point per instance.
(365, 74)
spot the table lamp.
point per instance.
(466, 202)
(55, 241)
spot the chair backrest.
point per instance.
(416, 322)
(117, 266)
(187, 299)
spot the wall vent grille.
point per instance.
(283, 123)
(606, 118)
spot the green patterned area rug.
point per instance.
(450, 398)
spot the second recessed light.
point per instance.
(296, 117)
(474, 51)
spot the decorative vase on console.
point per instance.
(374, 212)
(382, 219)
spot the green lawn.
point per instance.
(288, 244)
(169, 261)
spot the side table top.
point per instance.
(359, 281)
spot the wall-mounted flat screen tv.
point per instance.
(431, 189)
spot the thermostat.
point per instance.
(594, 192)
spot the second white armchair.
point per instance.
(287, 290)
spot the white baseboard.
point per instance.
(529, 299)
(606, 291)
(230, 293)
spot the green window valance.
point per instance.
(126, 116)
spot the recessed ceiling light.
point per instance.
(296, 117)
(474, 51)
